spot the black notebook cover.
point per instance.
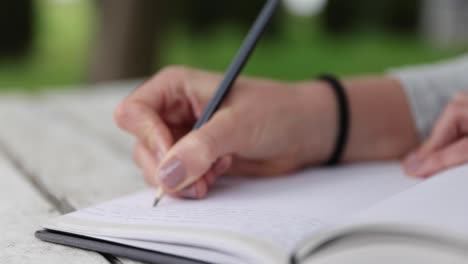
(112, 248)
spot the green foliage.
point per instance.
(303, 50)
(60, 53)
(300, 51)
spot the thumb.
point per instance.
(193, 155)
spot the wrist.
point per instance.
(317, 105)
(381, 125)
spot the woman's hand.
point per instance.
(263, 128)
(448, 144)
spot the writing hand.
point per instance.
(263, 128)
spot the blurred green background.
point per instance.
(60, 55)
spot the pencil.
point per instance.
(235, 68)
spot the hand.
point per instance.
(448, 144)
(263, 128)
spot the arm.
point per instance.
(381, 124)
(265, 127)
(391, 115)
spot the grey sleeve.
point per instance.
(430, 87)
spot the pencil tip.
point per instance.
(156, 201)
(159, 197)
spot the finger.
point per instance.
(147, 163)
(146, 125)
(161, 110)
(412, 160)
(174, 84)
(462, 98)
(454, 155)
(193, 156)
(220, 167)
(451, 126)
(162, 85)
(197, 190)
(210, 177)
(448, 129)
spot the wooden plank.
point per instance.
(93, 109)
(23, 209)
(73, 163)
(69, 144)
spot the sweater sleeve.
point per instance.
(430, 87)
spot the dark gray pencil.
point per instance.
(234, 69)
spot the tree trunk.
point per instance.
(127, 43)
(16, 27)
(444, 22)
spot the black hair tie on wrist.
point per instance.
(343, 119)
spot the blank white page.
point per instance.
(440, 203)
(276, 213)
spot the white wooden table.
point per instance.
(59, 152)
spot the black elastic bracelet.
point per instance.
(343, 119)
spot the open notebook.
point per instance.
(283, 219)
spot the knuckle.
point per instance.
(122, 113)
(453, 110)
(174, 70)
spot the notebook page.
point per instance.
(440, 203)
(276, 213)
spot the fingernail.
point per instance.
(189, 192)
(173, 173)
